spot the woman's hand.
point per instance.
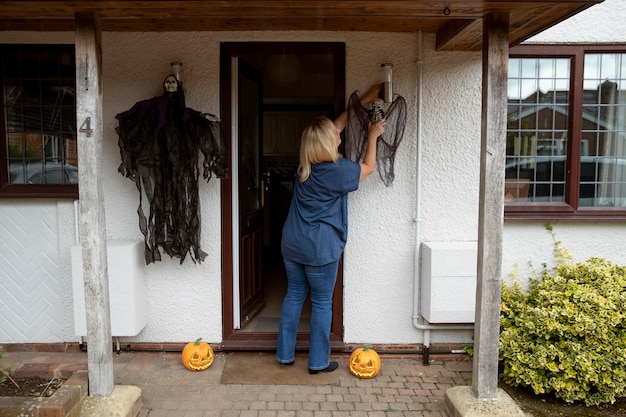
(371, 95)
(376, 129)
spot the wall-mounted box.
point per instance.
(448, 284)
(127, 292)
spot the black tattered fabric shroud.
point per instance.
(160, 142)
(356, 134)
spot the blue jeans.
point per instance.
(321, 281)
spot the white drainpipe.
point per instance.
(418, 320)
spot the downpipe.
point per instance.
(418, 321)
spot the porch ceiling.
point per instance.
(456, 23)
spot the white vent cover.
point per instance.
(126, 288)
(448, 290)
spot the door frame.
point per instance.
(232, 339)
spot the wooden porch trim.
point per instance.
(491, 206)
(458, 24)
(91, 204)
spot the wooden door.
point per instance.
(242, 232)
(250, 191)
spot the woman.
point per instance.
(316, 229)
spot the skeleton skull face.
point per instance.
(170, 84)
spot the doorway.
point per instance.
(269, 92)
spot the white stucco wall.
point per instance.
(179, 295)
(184, 301)
(601, 23)
(380, 255)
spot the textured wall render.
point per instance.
(184, 301)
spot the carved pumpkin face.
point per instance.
(364, 362)
(197, 356)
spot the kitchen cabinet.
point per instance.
(282, 130)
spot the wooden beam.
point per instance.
(453, 30)
(91, 204)
(178, 8)
(491, 205)
(457, 23)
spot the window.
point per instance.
(566, 133)
(38, 152)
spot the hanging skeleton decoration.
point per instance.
(160, 140)
(388, 142)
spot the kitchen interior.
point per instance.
(297, 88)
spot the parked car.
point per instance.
(42, 172)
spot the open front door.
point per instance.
(262, 122)
(249, 100)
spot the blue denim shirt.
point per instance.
(316, 229)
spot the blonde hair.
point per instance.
(318, 143)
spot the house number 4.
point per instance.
(86, 127)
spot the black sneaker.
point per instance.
(331, 367)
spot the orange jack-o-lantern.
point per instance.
(197, 356)
(364, 362)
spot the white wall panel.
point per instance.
(30, 299)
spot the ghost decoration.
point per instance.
(160, 141)
(356, 132)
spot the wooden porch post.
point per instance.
(91, 204)
(491, 205)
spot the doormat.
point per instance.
(261, 368)
(270, 324)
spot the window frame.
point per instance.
(8, 190)
(568, 210)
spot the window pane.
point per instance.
(603, 145)
(562, 69)
(538, 119)
(592, 66)
(40, 115)
(562, 85)
(529, 68)
(609, 69)
(514, 67)
(514, 89)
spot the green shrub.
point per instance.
(566, 334)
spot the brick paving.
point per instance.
(404, 387)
